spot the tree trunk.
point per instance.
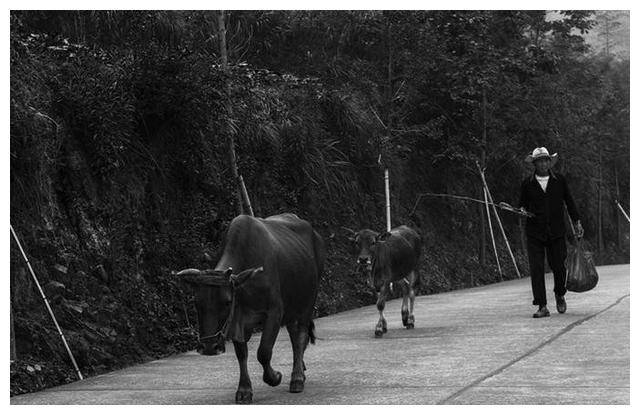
(13, 336)
(222, 35)
(617, 211)
(600, 241)
(389, 97)
(483, 162)
(482, 248)
(521, 225)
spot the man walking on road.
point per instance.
(543, 194)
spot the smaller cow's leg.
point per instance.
(270, 332)
(381, 327)
(244, 393)
(405, 302)
(412, 299)
(299, 340)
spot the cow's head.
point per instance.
(367, 244)
(214, 291)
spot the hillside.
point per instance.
(120, 170)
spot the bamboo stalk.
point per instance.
(46, 302)
(623, 212)
(387, 198)
(470, 199)
(495, 212)
(493, 241)
(245, 195)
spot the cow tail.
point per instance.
(312, 332)
(418, 283)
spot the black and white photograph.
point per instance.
(379, 205)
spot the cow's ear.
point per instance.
(238, 280)
(228, 273)
(382, 236)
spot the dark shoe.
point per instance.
(542, 312)
(561, 305)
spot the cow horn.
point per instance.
(241, 278)
(188, 271)
(206, 277)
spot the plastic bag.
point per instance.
(581, 271)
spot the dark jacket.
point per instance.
(548, 222)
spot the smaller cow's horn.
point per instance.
(353, 234)
(348, 230)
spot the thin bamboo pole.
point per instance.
(245, 195)
(495, 212)
(46, 302)
(503, 206)
(493, 241)
(387, 198)
(623, 212)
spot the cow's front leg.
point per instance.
(381, 327)
(299, 336)
(244, 393)
(270, 332)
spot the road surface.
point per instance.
(473, 346)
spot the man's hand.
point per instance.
(579, 230)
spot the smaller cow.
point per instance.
(280, 259)
(390, 258)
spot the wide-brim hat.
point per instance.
(541, 152)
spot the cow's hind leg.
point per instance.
(404, 310)
(270, 332)
(381, 327)
(299, 335)
(244, 393)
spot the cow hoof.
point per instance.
(410, 321)
(378, 333)
(296, 386)
(244, 397)
(273, 380)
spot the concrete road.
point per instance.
(473, 346)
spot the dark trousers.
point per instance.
(556, 250)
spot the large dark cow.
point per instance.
(390, 258)
(267, 277)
